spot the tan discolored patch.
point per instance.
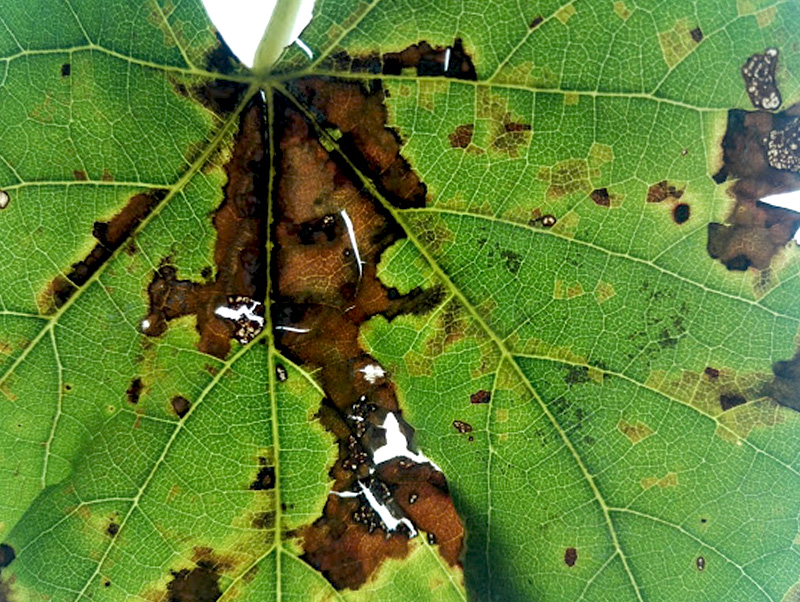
(678, 42)
(567, 225)
(621, 10)
(669, 480)
(766, 17)
(571, 99)
(508, 133)
(635, 432)
(567, 290)
(565, 13)
(566, 177)
(502, 415)
(603, 291)
(600, 154)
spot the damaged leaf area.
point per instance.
(464, 302)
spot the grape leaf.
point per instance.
(534, 230)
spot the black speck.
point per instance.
(681, 213)
(7, 555)
(66, 70)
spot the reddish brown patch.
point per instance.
(601, 197)
(480, 397)
(360, 115)
(462, 136)
(107, 177)
(239, 254)
(661, 191)
(755, 232)
(110, 235)
(570, 557)
(451, 61)
(322, 297)
(711, 372)
(80, 175)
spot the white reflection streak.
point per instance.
(397, 445)
(246, 311)
(293, 329)
(302, 45)
(446, 58)
(351, 233)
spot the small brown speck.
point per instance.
(462, 427)
(570, 557)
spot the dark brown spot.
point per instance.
(112, 529)
(462, 136)
(577, 375)
(704, 520)
(513, 126)
(239, 253)
(537, 20)
(601, 197)
(201, 584)
(547, 221)
(681, 213)
(7, 555)
(700, 563)
(265, 479)
(106, 583)
(206, 272)
(570, 557)
(462, 427)
(731, 400)
(711, 372)
(481, 396)
(66, 69)
(281, 373)
(431, 539)
(759, 80)
(697, 34)
(180, 405)
(80, 175)
(662, 191)
(134, 391)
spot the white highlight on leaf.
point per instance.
(372, 372)
(385, 514)
(243, 311)
(351, 233)
(145, 324)
(446, 58)
(293, 329)
(788, 200)
(302, 46)
(397, 445)
(4, 198)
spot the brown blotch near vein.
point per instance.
(359, 113)
(109, 235)
(80, 175)
(112, 529)
(756, 158)
(449, 61)
(239, 253)
(321, 297)
(785, 385)
(662, 191)
(537, 20)
(265, 479)
(462, 135)
(180, 405)
(731, 400)
(697, 34)
(200, 584)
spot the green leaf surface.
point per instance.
(603, 467)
